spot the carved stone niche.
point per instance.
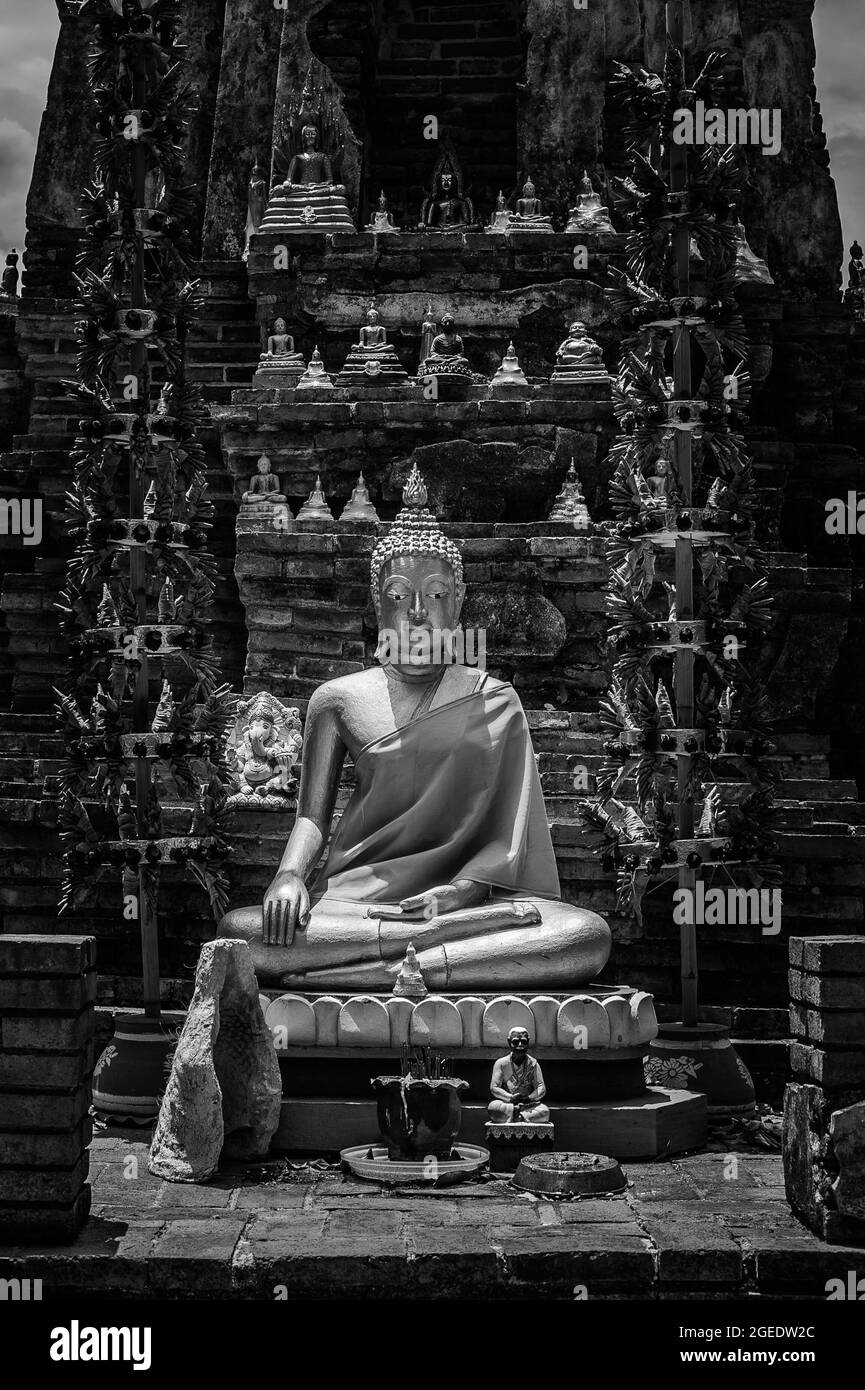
(263, 750)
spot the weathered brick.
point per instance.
(43, 1186)
(43, 1112)
(45, 1224)
(45, 1071)
(45, 1150)
(23, 994)
(47, 1032)
(828, 1069)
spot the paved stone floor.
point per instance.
(715, 1225)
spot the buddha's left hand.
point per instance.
(449, 897)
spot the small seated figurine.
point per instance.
(445, 841)
(382, 221)
(579, 361)
(446, 209)
(308, 200)
(267, 747)
(529, 215)
(372, 360)
(499, 220)
(588, 213)
(446, 356)
(656, 481)
(517, 1085)
(570, 505)
(279, 357)
(263, 490)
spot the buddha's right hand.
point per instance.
(285, 908)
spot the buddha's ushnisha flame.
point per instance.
(415, 532)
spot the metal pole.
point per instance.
(684, 660)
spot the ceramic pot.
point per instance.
(130, 1076)
(419, 1117)
(702, 1058)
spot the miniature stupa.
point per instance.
(359, 507)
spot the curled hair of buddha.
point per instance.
(415, 532)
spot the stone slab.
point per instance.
(662, 1122)
(829, 955)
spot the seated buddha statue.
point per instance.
(279, 363)
(517, 1086)
(588, 213)
(444, 842)
(308, 200)
(263, 490)
(372, 360)
(446, 355)
(446, 209)
(528, 215)
(578, 360)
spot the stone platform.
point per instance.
(693, 1227)
(591, 1045)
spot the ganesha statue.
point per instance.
(264, 747)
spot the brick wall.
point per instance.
(824, 1106)
(47, 989)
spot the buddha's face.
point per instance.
(418, 600)
(309, 134)
(279, 326)
(518, 1042)
(577, 329)
(373, 316)
(446, 182)
(263, 464)
(448, 323)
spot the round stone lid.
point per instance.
(569, 1174)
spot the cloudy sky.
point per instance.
(28, 29)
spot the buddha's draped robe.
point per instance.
(455, 794)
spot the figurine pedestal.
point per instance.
(508, 1143)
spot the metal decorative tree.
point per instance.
(144, 718)
(686, 714)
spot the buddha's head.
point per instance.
(372, 315)
(279, 325)
(416, 577)
(577, 329)
(309, 136)
(528, 189)
(518, 1042)
(447, 322)
(263, 464)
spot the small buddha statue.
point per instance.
(425, 851)
(427, 334)
(570, 505)
(409, 983)
(267, 748)
(256, 204)
(315, 507)
(579, 361)
(446, 357)
(588, 213)
(529, 215)
(446, 209)
(509, 375)
(359, 507)
(279, 358)
(382, 221)
(499, 220)
(517, 1086)
(855, 268)
(372, 360)
(308, 200)
(656, 481)
(315, 378)
(9, 280)
(263, 491)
